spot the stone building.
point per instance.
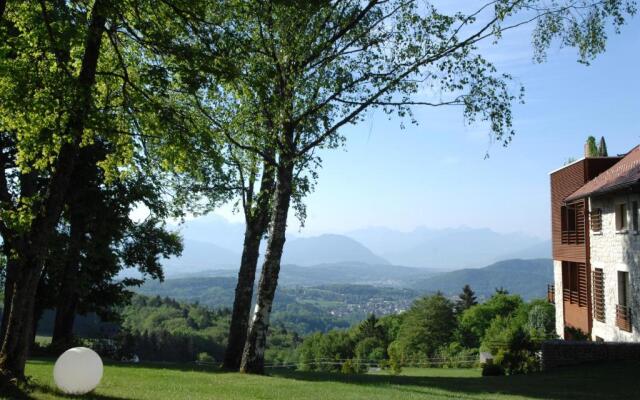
(596, 247)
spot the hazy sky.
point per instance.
(435, 174)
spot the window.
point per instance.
(574, 283)
(596, 220)
(598, 294)
(623, 288)
(621, 217)
(572, 223)
(634, 216)
(623, 311)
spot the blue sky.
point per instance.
(435, 174)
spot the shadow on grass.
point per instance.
(612, 381)
(174, 366)
(45, 389)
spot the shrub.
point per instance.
(370, 349)
(349, 367)
(518, 362)
(491, 369)
(456, 356)
(511, 343)
(395, 357)
(576, 334)
(205, 357)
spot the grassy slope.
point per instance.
(188, 382)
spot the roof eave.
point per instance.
(603, 192)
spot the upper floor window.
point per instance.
(623, 311)
(596, 220)
(572, 223)
(634, 216)
(621, 217)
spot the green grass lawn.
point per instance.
(176, 381)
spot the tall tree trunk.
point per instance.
(253, 355)
(9, 279)
(257, 221)
(15, 344)
(37, 316)
(63, 327)
(67, 296)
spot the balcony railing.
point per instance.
(551, 293)
(623, 317)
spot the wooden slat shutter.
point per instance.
(598, 295)
(596, 220)
(582, 285)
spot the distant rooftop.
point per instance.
(622, 174)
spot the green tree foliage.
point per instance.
(602, 148)
(426, 326)
(426, 335)
(326, 352)
(71, 75)
(475, 321)
(466, 299)
(513, 339)
(307, 69)
(96, 239)
(370, 328)
(591, 147)
(162, 329)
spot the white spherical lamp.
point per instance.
(78, 370)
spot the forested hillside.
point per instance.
(334, 295)
(527, 278)
(303, 309)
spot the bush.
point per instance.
(515, 350)
(491, 369)
(456, 356)
(370, 349)
(395, 357)
(349, 367)
(205, 358)
(518, 362)
(576, 334)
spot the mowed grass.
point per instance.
(180, 381)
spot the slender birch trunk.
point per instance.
(253, 355)
(257, 222)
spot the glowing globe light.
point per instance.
(78, 370)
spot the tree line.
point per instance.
(178, 106)
(437, 331)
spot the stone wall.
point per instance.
(558, 353)
(615, 251)
(557, 281)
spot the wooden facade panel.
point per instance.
(573, 247)
(563, 183)
(576, 317)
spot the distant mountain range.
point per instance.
(326, 249)
(451, 248)
(214, 243)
